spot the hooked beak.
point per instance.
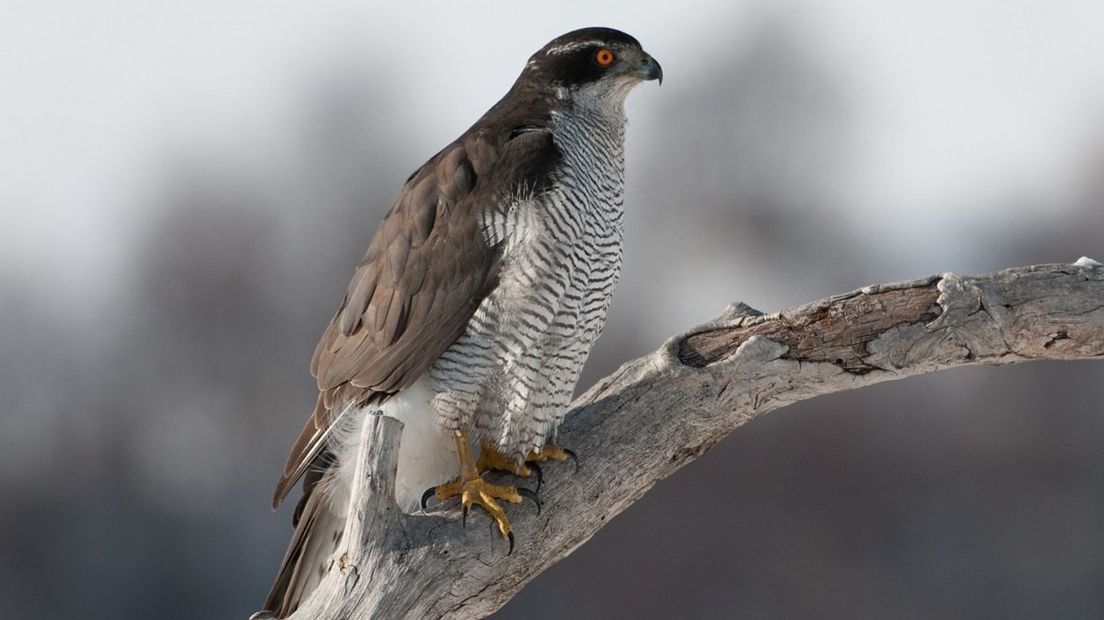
(651, 70)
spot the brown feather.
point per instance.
(389, 331)
(426, 271)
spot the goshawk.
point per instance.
(478, 301)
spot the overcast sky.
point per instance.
(180, 210)
(99, 95)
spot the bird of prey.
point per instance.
(478, 301)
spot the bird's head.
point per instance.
(592, 62)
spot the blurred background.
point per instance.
(186, 187)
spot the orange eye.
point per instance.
(604, 57)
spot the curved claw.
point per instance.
(510, 535)
(574, 458)
(430, 492)
(524, 492)
(464, 517)
(537, 470)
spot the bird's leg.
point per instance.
(552, 453)
(473, 489)
(491, 459)
(546, 454)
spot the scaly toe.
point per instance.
(479, 492)
(490, 459)
(549, 453)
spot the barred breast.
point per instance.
(512, 373)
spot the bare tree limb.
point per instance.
(659, 412)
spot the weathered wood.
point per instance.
(659, 412)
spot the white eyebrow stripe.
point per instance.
(571, 47)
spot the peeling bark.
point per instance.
(661, 411)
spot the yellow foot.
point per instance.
(479, 492)
(552, 452)
(549, 453)
(490, 459)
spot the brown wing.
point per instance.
(426, 271)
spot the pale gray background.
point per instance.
(185, 188)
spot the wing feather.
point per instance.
(426, 271)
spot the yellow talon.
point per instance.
(549, 452)
(474, 490)
(481, 493)
(490, 459)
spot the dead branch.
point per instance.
(659, 412)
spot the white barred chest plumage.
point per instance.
(513, 372)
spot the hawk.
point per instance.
(481, 294)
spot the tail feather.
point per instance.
(317, 538)
(427, 457)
